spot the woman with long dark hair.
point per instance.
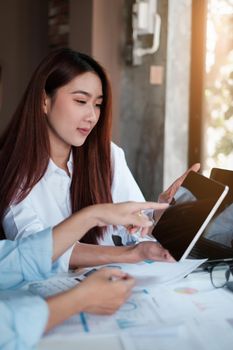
(56, 158)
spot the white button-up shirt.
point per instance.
(48, 203)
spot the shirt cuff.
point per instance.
(62, 264)
(36, 255)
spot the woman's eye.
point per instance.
(99, 105)
(81, 101)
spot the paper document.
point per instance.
(154, 273)
(147, 275)
(170, 337)
(83, 342)
(137, 325)
(138, 311)
(58, 283)
(205, 310)
(149, 338)
(187, 315)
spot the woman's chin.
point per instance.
(78, 143)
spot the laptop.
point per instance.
(216, 243)
(182, 224)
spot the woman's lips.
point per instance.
(84, 131)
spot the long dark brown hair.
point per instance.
(25, 147)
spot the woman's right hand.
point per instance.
(129, 214)
(126, 214)
(105, 291)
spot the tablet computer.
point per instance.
(216, 243)
(181, 225)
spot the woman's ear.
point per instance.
(45, 103)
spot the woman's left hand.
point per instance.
(148, 250)
(167, 195)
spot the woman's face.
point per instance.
(74, 110)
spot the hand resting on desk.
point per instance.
(151, 251)
(101, 293)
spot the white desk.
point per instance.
(188, 315)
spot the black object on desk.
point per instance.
(230, 286)
(217, 240)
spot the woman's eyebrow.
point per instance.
(84, 93)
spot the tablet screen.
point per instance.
(182, 224)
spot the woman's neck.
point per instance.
(60, 157)
(59, 152)
(61, 162)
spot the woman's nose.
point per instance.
(92, 114)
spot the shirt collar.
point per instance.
(53, 168)
(70, 163)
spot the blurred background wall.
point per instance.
(152, 116)
(103, 28)
(23, 43)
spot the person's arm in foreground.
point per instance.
(75, 227)
(103, 215)
(90, 255)
(24, 318)
(20, 260)
(101, 293)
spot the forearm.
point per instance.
(72, 229)
(101, 215)
(65, 305)
(84, 255)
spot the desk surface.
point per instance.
(186, 315)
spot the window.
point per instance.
(217, 135)
(211, 101)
